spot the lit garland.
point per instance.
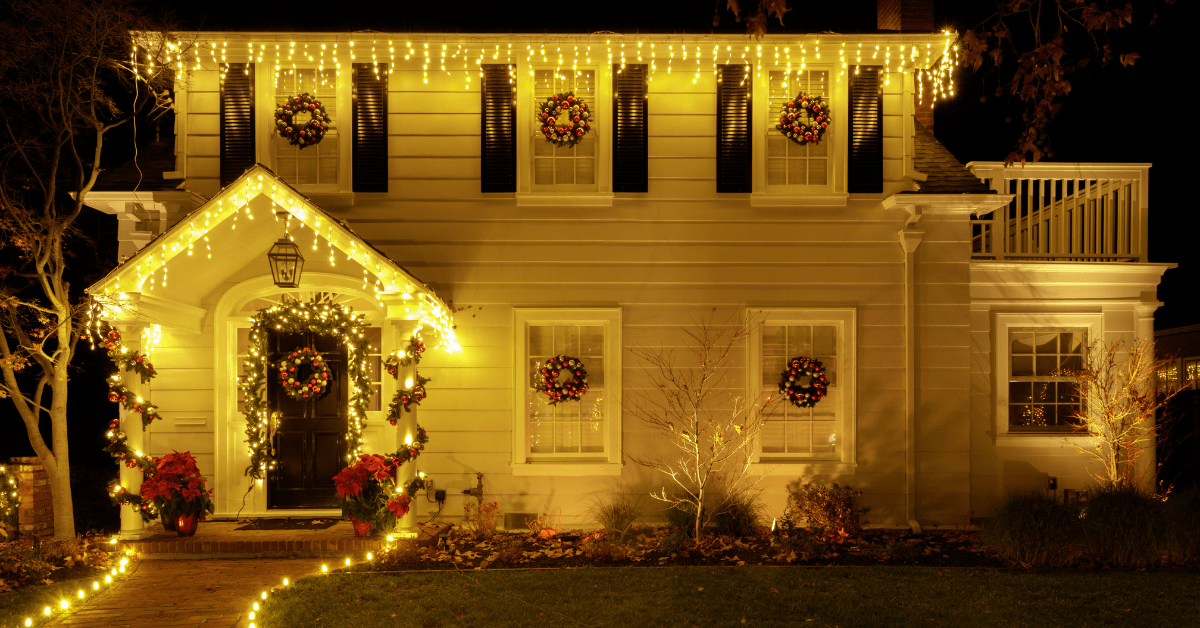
(410, 355)
(320, 316)
(10, 498)
(64, 605)
(413, 393)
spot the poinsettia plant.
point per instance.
(369, 492)
(176, 487)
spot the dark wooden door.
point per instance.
(310, 440)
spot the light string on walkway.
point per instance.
(99, 585)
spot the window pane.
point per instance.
(772, 436)
(566, 437)
(591, 340)
(1070, 342)
(799, 341)
(540, 339)
(1071, 363)
(797, 171)
(799, 435)
(564, 170)
(585, 171)
(1022, 366)
(817, 174)
(541, 437)
(1046, 365)
(566, 340)
(595, 370)
(1022, 342)
(1020, 392)
(592, 438)
(825, 340)
(824, 436)
(1045, 343)
(543, 171)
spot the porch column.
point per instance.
(406, 428)
(132, 526)
(1145, 471)
(910, 238)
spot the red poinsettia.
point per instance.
(399, 505)
(176, 487)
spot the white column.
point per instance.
(910, 238)
(406, 427)
(132, 526)
(1145, 472)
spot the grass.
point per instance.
(28, 601)
(724, 596)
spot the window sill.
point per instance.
(553, 199)
(784, 199)
(1044, 439)
(794, 467)
(567, 468)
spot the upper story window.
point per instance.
(1041, 398)
(314, 165)
(567, 169)
(788, 162)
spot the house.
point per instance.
(941, 298)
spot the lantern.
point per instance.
(286, 263)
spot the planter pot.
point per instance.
(168, 522)
(186, 525)
(361, 528)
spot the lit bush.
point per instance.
(1125, 526)
(823, 508)
(1034, 530)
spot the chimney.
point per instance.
(904, 15)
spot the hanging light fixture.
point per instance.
(286, 262)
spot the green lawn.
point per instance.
(727, 596)
(29, 601)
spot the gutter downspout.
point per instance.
(910, 237)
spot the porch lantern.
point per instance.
(286, 263)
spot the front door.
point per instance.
(310, 439)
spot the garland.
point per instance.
(804, 395)
(546, 379)
(409, 356)
(10, 500)
(321, 316)
(804, 119)
(405, 397)
(578, 120)
(301, 135)
(293, 384)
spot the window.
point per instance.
(1191, 371)
(572, 437)
(1041, 398)
(824, 432)
(789, 163)
(560, 167)
(314, 165)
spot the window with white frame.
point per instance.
(571, 431)
(317, 164)
(824, 432)
(790, 163)
(571, 168)
(1042, 397)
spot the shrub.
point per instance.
(618, 514)
(1125, 526)
(740, 516)
(1033, 530)
(682, 518)
(823, 508)
(1183, 513)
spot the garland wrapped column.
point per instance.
(404, 363)
(133, 526)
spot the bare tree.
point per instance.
(689, 404)
(70, 72)
(1120, 397)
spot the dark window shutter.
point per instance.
(864, 170)
(498, 131)
(370, 128)
(630, 105)
(237, 121)
(734, 163)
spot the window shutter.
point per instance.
(865, 168)
(630, 104)
(498, 132)
(237, 121)
(370, 127)
(734, 169)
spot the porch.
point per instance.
(223, 539)
(1073, 212)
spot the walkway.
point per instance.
(170, 593)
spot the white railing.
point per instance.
(1078, 212)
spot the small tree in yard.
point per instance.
(67, 78)
(1118, 387)
(710, 430)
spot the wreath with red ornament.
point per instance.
(300, 385)
(804, 119)
(576, 119)
(546, 379)
(803, 382)
(301, 120)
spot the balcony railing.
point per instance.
(1079, 212)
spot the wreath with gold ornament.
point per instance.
(804, 119)
(546, 379)
(301, 120)
(803, 381)
(297, 383)
(565, 119)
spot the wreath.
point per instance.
(299, 132)
(311, 385)
(804, 118)
(546, 379)
(804, 382)
(577, 122)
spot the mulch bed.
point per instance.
(657, 547)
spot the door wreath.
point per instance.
(297, 384)
(545, 379)
(577, 122)
(804, 382)
(804, 119)
(300, 132)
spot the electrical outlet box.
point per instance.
(439, 495)
(1052, 483)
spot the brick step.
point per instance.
(220, 539)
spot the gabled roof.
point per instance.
(181, 251)
(945, 174)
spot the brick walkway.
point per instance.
(168, 593)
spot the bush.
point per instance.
(1125, 526)
(823, 508)
(617, 515)
(681, 518)
(1183, 512)
(740, 516)
(1034, 530)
